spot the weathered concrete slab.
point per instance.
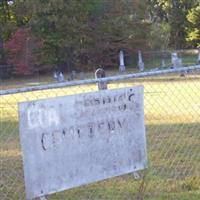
(74, 140)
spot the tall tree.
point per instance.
(194, 26)
(7, 19)
(62, 26)
(118, 25)
(174, 12)
(21, 46)
(84, 31)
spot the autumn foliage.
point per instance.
(20, 49)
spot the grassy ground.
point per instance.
(172, 116)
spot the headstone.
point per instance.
(121, 62)
(176, 61)
(163, 65)
(61, 77)
(55, 75)
(140, 62)
(100, 73)
(78, 139)
(198, 58)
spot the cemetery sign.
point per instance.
(79, 139)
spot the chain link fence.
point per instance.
(172, 118)
(163, 58)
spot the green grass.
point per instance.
(172, 117)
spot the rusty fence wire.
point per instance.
(172, 119)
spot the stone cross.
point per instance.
(176, 61)
(140, 62)
(121, 62)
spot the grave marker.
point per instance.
(61, 77)
(121, 62)
(140, 62)
(176, 61)
(55, 75)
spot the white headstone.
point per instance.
(176, 61)
(121, 62)
(61, 77)
(55, 75)
(140, 62)
(73, 140)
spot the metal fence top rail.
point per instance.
(92, 81)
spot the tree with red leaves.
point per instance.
(20, 49)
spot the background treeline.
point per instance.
(40, 35)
